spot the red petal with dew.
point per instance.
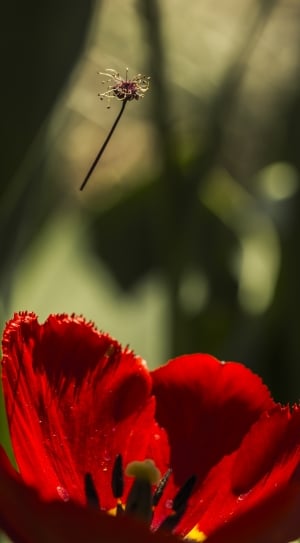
(206, 407)
(25, 518)
(274, 520)
(259, 483)
(74, 400)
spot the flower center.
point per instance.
(142, 499)
(126, 90)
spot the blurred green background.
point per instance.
(185, 238)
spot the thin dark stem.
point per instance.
(102, 149)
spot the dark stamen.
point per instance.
(184, 493)
(179, 505)
(171, 522)
(160, 488)
(117, 480)
(119, 509)
(117, 483)
(91, 492)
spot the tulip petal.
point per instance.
(258, 483)
(274, 520)
(74, 400)
(206, 407)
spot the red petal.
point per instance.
(274, 520)
(271, 448)
(26, 519)
(249, 485)
(74, 400)
(206, 407)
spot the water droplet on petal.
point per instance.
(106, 455)
(241, 497)
(169, 504)
(63, 493)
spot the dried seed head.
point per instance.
(124, 89)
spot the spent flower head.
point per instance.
(124, 89)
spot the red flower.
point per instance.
(27, 519)
(76, 400)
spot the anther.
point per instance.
(117, 479)
(184, 493)
(91, 492)
(117, 483)
(180, 502)
(160, 488)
